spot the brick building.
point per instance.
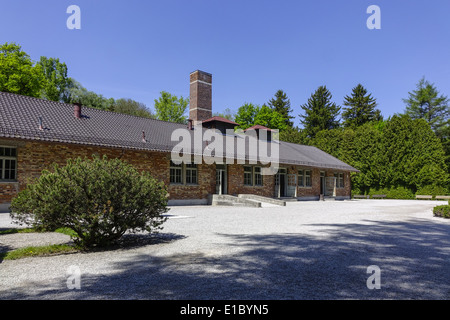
(35, 133)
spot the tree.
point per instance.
(18, 73)
(294, 135)
(99, 199)
(227, 114)
(246, 115)
(426, 103)
(58, 84)
(171, 108)
(250, 115)
(131, 107)
(415, 156)
(270, 118)
(320, 112)
(282, 105)
(361, 108)
(79, 94)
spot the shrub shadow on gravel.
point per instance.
(413, 257)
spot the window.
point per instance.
(191, 174)
(308, 182)
(258, 176)
(248, 176)
(339, 180)
(300, 178)
(176, 173)
(8, 164)
(183, 173)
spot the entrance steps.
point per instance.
(263, 199)
(228, 200)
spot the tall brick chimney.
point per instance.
(200, 96)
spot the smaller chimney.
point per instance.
(77, 110)
(143, 137)
(41, 127)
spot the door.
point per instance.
(330, 186)
(221, 180)
(280, 183)
(291, 185)
(322, 182)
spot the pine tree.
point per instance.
(282, 105)
(361, 108)
(426, 103)
(320, 112)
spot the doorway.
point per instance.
(281, 183)
(221, 179)
(322, 182)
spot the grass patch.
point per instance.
(13, 230)
(38, 251)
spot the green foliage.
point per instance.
(442, 211)
(227, 114)
(294, 135)
(361, 108)
(394, 155)
(281, 104)
(98, 199)
(250, 115)
(269, 118)
(320, 113)
(131, 107)
(246, 115)
(426, 103)
(433, 190)
(79, 94)
(393, 193)
(18, 74)
(38, 251)
(58, 84)
(171, 108)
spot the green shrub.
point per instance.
(433, 190)
(394, 193)
(400, 193)
(442, 211)
(98, 199)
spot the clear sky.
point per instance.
(136, 49)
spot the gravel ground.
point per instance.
(306, 250)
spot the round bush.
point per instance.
(99, 199)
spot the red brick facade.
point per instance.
(33, 157)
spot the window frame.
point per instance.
(301, 178)
(182, 173)
(3, 159)
(190, 169)
(340, 184)
(257, 177)
(308, 178)
(248, 176)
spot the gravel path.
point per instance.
(306, 250)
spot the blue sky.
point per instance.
(136, 49)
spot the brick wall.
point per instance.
(33, 157)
